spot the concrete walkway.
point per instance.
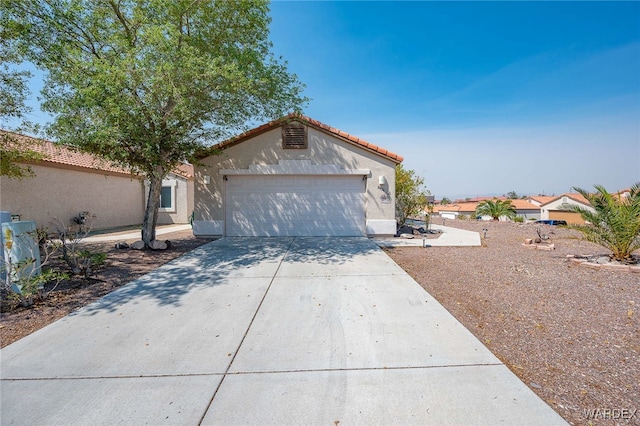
(262, 331)
(450, 237)
(134, 235)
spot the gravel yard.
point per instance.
(571, 333)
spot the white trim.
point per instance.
(380, 227)
(295, 167)
(202, 228)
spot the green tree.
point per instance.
(444, 201)
(615, 224)
(411, 196)
(14, 90)
(512, 195)
(496, 209)
(146, 84)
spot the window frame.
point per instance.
(168, 183)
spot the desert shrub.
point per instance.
(518, 219)
(25, 279)
(80, 261)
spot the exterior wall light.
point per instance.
(382, 181)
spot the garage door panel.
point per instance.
(287, 206)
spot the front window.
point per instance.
(168, 196)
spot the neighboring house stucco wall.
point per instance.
(182, 193)
(562, 204)
(56, 192)
(266, 149)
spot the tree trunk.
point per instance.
(151, 210)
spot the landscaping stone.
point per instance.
(615, 267)
(138, 245)
(591, 265)
(157, 245)
(602, 260)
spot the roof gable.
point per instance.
(311, 123)
(576, 197)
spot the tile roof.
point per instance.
(63, 155)
(310, 122)
(573, 195)
(67, 156)
(542, 199)
(521, 204)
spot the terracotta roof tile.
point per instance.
(67, 156)
(311, 122)
(520, 204)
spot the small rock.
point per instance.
(122, 245)
(138, 245)
(602, 260)
(157, 245)
(535, 385)
(168, 243)
(406, 236)
(528, 241)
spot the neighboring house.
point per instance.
(295, 176)
(526, 209)
(455, 210)
(558, 208)
(176, 196)
(468, 209)
(67, 183)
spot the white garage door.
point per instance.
(290, 205)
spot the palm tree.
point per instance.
(496, 209)
(615, 224)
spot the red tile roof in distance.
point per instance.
(313, 123)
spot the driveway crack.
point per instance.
(284, 256)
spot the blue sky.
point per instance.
(480, 98)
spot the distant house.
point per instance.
(295, 176)
(455, 210)
(524, 208)
(67, 183)
(559, 208)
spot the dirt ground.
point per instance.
(121, 267)
(572, 334)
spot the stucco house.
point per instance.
(524, 208)
(295, 176)
(558, 208)
(68, 182)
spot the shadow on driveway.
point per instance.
(233, 257)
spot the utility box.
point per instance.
(19, 245)
(4, 217)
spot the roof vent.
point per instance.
(294, 136)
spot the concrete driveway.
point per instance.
(326, 331)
